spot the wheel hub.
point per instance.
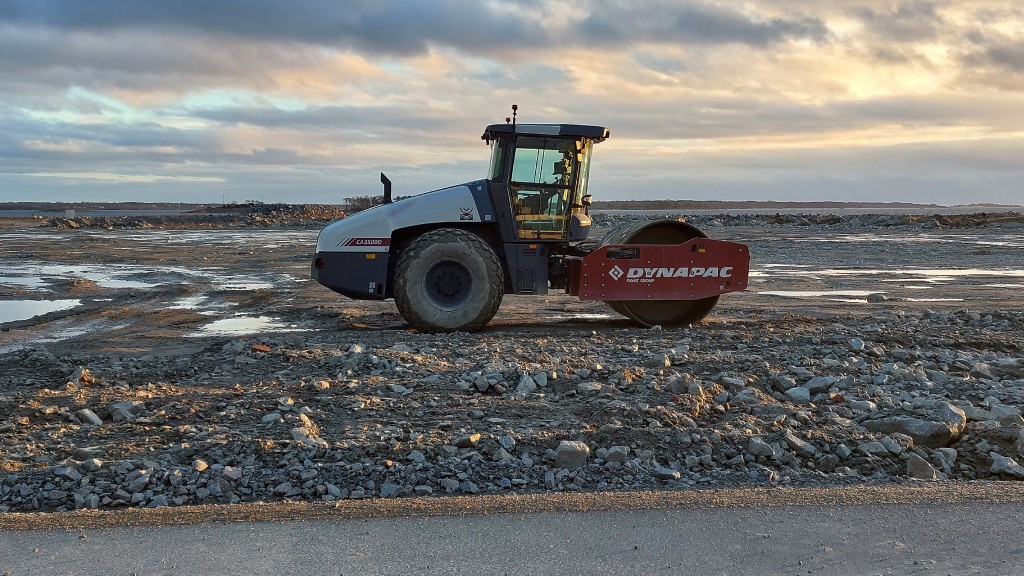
(449, 283)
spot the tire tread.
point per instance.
(494, 287)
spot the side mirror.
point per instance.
(587, 200)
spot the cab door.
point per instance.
(543, 186)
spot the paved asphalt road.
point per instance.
(920, 536)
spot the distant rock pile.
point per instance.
(249, 216)
(317, 215)
(1007, 220)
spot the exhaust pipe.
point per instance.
(387, 188)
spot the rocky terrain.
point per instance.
(343, 401)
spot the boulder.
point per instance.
(527, 385)
(1006, 466)
(918, 467)
(799, 395)
(617, 454)
(820, 383)
(759, 447)
(944, 426)
(571, 454)
(798, 445)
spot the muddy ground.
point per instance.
(216, 371)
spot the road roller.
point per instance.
(447, 257)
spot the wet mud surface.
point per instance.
(99, 288)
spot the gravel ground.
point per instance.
(200, 367)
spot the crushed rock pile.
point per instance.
(773, 399)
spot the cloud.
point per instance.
(378, 26)
(994, 55)
(1003, 54)
(312, 98)
(907, 22)
(621, 21)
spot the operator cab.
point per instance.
(544, 169)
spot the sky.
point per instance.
(796, 100)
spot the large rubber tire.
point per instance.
(659, 312)
(448, 279)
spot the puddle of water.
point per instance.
(116, 283)
(106, 276)
(90, 327)
(934, 280)
(242, 325)
(189, 303)
(254, 238)
(590, 316)
(17, 310)
(934, 299)
(818, 293)
(923, 274)
(851, 296)
(250, 285)
(202, 304)
(988, 239)
(23, 282)
(137, 277)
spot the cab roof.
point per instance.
(595, 133)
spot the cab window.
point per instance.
(542, 185)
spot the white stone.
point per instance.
(300, 435)
(87, 416)
(571, 454)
